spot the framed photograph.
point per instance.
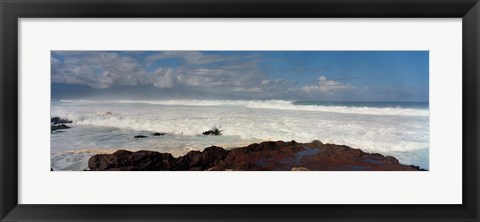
(239, 110)
(224, 110)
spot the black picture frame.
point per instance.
(12, 10)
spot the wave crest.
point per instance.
(274, 104)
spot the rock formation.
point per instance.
(213, 132)
(265, 156)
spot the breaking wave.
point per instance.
(274, 104)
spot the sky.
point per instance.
(260, 75)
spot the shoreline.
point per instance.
(264, 156)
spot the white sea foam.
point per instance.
(99, 124)
(272, 104)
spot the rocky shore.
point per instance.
(265, 156)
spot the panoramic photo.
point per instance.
(239, 111)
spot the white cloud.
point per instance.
(54, 61)
(326, 86)
(230, 76)
(164, 78)
(106, 69)
(248, 90)
(98, 70)
(189, 57)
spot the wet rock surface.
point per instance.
(265, 156)
(58, 123)
(213, 132)
(58, 127)
(126, 160)
(59, 120)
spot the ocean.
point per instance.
(399, 129)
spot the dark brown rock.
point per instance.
(126, 160)
(204, 160)
(272, 156)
